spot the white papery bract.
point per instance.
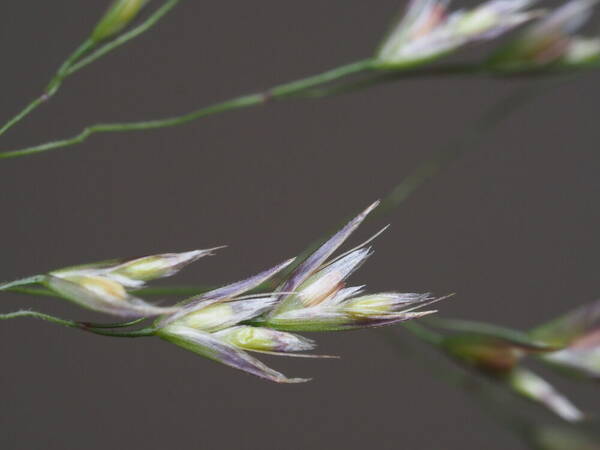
(265, 340)
(322, 302)
(103, 286)
(223, 324)
(427, 31)
(213, 347)
(552, 40)
(209, 325)
(577, 334)
(532, 386)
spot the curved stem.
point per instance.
(244, 101)
(61, 73)
(303, 87)
(124, 38)
(50, 89)
(74, 62)
(443, 158)
(100, 329)
(112, 324)
(464, 143)
(21, 282)
(42, 316)
(23, 113)
(424, 334)
(481, 328)
(34, 291)
(143, 332)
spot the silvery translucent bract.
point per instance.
(223, 324)
(427, 31)
(552, 40)
(103, 287)
(578, 335)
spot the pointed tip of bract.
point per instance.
(209, 251)
(286, 263)
(191, 256)
(292, 380)
(419, 314)
(369, 209)
(319, 256)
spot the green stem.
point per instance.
(74, 62)
(424, 334)
(298, 86)
(244, 101)
(467, 142)
(480, 328)
(42, 316)
(124, 38)
(61, 73)
(84, 326)
(21, 282)
(50, 90)
(302, 87)
(444, 157)
(113, 324)
(143, 332)
(34, 291)
(22, 114)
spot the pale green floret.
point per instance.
(252, 338)
(370, 305)
(155, 266)
(145, 269)
(118, 16)
(211, 318)
(102, 287)
(476, 22)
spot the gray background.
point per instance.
(511, 228)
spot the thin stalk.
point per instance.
(244, 101)
(304, 87)
(124, 38)
(444, 157)
(37, 315)
(21, 282)
(34, 291)
(61, 73)
(51, 89)
(467, 142)
(75, 61)
(481, 328)
(424, 334)
(100, 329)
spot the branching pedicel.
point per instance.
(425, 34)
(224, 323)
(259, 315)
